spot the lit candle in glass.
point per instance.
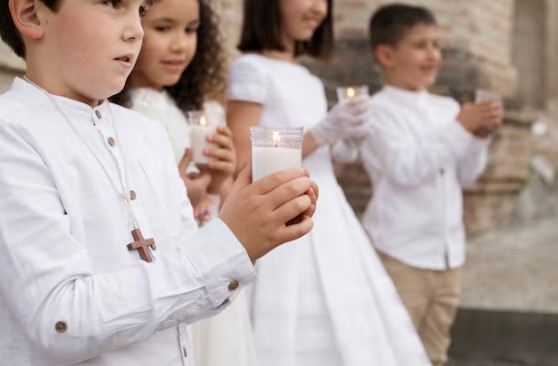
(482, 95)
(200, 128)
(345, 93)
(275, 149)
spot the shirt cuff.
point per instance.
(221, 262)
(457, 138)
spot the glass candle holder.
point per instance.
(482, 95)
(200, 128)
(275, 149)
(345, 93)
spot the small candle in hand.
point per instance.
(345, 93)
(275, 149)
(200, 129)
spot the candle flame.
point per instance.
(276, 138)
(203, 121)
(350, 92)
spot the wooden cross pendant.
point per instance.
(141, 245)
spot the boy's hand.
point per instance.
(222, 164)
(261, 214)
(196, 184)
(493, 112)
(481, 119)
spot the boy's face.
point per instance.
(89, 47)
(171, 34)
(414, 63)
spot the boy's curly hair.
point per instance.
(205, 75)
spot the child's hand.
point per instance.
(481, 119)
(222, 164)
(344, 121)
(261, 214)
(493, 112)
(313, 193)
(196, 184)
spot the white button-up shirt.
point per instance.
(418, 157)
(71, 292)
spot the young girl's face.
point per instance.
(169, 43)
(301, 18)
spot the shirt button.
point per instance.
(233, 285)
(442, 171)
(61, 327)
(133, 195)
(98, 114)
(184, 352)
(111, 141)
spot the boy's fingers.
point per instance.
(243, 179)
(293, 208)
(295, 231)
(289, 191)
(272, 181)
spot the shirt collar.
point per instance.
(72, 108)
(416, 98)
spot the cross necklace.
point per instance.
(140, 244)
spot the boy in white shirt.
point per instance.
(421, 149)
(102, 262)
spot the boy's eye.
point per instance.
(114, 3)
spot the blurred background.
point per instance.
(509, 306)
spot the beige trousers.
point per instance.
(431, 297)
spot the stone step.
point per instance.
(504, 338)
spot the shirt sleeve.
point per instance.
(405, 160)
(473, 163)
(247, 81)
(69, 311)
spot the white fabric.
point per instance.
(418, 157)
(225, 339)
(63, 237)
(325, 299)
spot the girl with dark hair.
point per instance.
(181, 69)
(325, 300)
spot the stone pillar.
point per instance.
(10, 66)
(552, 60)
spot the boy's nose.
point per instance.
(134, 29)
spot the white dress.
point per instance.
(325, 299)
(225, 339)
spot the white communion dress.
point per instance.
(225, 339)
(325, 299)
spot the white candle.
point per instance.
(198, 138)
(275, 149)
(267, 160)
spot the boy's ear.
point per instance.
(384, 54)
(26, 18)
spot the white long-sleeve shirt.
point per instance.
(71, 292)
(419, 157)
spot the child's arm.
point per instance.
(404, 159)
(474, 161)
(72, 312)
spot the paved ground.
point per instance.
(509, 313)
